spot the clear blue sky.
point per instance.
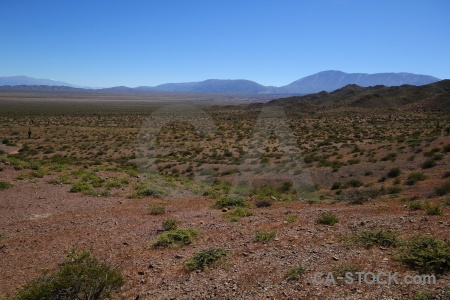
(132, 43)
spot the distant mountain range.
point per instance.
(25, 80)
(434, 97)
(323, 81)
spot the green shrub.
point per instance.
(429, 163)
(327, 218)
(291, 218)
(5, 185)
(177, 237)
(81, 277)
(82, 187)
(426, 255)
(354, 183)
(415, 205)
(170, 224)
(230, 201)
(205, 259)
(433, 209)
(148, 191)
(156, 209)
(423, 295)
(394, 172)
(415, 177)
(446, 148)
(390, 156)
(370, 238)
(337, 185)
(263, 203)
(443, 189)
(236, 213)
(262, 236)
(447, 202)
(393, 190)
(294, 273)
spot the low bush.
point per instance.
(177, 237)
(433, 209)
(354, 183)
(426, 255)
(156, 209)
(148, 191)
(370, 238)
(429, 163)
(263, 203)
(327, 218)
(236, 213)
(415, 205)
(263, 236)
(205, 259)
(415, 177)
(82, 276)
(443, 189)
(230, 201)
(291, 218)
(82, 187)
(5, 185)
(294, 273)
(337, 185)
(394, 172)
(170, 224)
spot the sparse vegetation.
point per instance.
(370, 238)
(426, 255)
(230, 201)
(429, 163)
(169, 224)
(177, 237)
(433, 209)
(294, 273)
(394, 172)
(263, 203)
(327, 218)
(236, 213)
(156, 209)
(91, 149)
(205, 259)
(81, 276)
(415, 205)
(443, 189)
(4, 185)
(415, 177)
(263, 236)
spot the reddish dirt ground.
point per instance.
(41, 221)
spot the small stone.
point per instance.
(141, 273)
(179, 256)
(245, 254)
(335, 258)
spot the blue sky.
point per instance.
(133, 43)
